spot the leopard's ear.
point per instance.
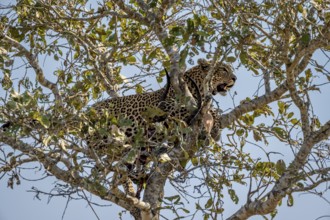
(204, 64)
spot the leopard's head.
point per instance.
(223, 77)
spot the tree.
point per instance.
(91, 45)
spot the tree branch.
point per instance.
(68, 176)
(34, 63)
(301, 62)
(227, 119)
(311, 186)
(131, 12)
(268, 203)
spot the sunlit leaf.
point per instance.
(233, 195)
(280, 132)
(139, 89)
(163, 158)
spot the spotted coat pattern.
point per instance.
(138, 109)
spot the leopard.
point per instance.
(138, 110)
(216, 129)
(118, 122)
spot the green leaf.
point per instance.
(159, 79)
(139, 89)
(305, 38)
(169, 41)
(171, 198)
(248, 119)
(152, 3)
(44, 121)
(152, 55)
(124, 122)
(308, 74)
(198, 207)
(131, 156)
(153, 112)
(233, 195)
(215, 15)
(183, 56)
(109, 4)
(294, 121)
(185, 210)
(290, 200)
(256, 136)
(290, 115)
(194, 161)
(56, 57)
(327, 16)
(190, 25)
(255, 71)
(231, 59)
(206, 216)
(112, 37)
(281, 107)
(131, 59)
(176, 31)
(243, 57)
(12, 161)
(6, 82)
(300, 8)
(76, 55)
(14, 33)
(280, 132)
(209, 203)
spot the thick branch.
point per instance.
(227, 119)
(173, 53)
(315, 137)
(135, 201)
(302, 106)
(154, 191)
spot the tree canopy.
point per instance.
(59, 57)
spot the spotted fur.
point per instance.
(141, 109)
